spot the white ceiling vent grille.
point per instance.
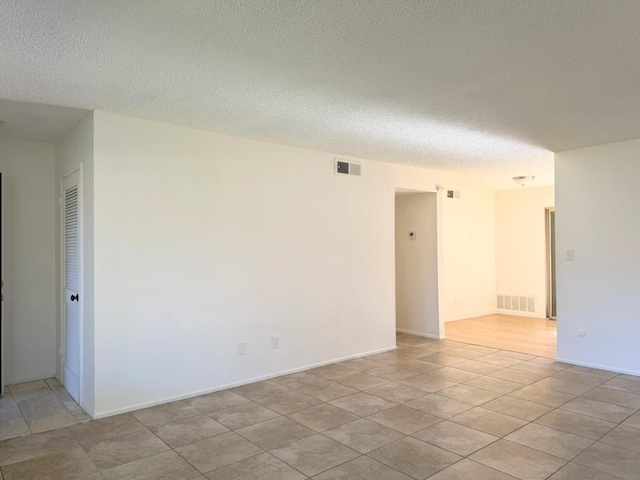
(348, 168)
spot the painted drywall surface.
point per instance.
(204, 240)
(28, 207)
(521, 246)
(597, 202)
(468, 249)
(417, 179)
(75, 151)
(417, 309)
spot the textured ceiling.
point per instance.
(487, 88)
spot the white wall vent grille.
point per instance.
(516, 302)
(348, 168)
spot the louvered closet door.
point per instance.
(71, 276)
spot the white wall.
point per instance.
(28, 208)
(417, 307)
(203, 240)
(75, 151)
(521, 246)
(468, 249)
(597, 205)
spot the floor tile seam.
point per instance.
(287, 444)
(599, 386)
(2, 468)
(543, 404)
(559, 431)
(209, 471)
(600, 418)
(368, 454)
(617, 389)
(500, 437)
(497, 438)
(281, 416)
(572, 433)
(109, 438)
(592, 467)
(39, 456)
(169, 447)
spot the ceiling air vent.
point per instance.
(348, 168)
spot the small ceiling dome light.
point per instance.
(524, 180)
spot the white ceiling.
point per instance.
(36, 122)
(487, 88)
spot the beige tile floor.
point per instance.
(36, 407)
(441, 410)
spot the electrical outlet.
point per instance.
(275, 341)
(571, 255)
(242, 348)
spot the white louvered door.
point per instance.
(71, 284)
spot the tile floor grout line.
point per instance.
(425, 393)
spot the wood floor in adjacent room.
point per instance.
(519, 334)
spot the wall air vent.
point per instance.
(516, 302)
(348, 168)
(531, 304)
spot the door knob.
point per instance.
(75, 298)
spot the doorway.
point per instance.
(416, 248)
(551, 262)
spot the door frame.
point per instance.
(550, 263)
(61, 295)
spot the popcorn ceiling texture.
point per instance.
(489, 87)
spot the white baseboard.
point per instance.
(29, 379)
(162, 401)
(517, 313)
(600, 367)
(419, 334)
(477, 312)
(88, 411)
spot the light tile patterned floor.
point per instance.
(36, 407)
(441, 410)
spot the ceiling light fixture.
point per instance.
(524, 180)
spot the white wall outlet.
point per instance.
(275, 341)
(242, 348)
(571, 255)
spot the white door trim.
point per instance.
(61, 351)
